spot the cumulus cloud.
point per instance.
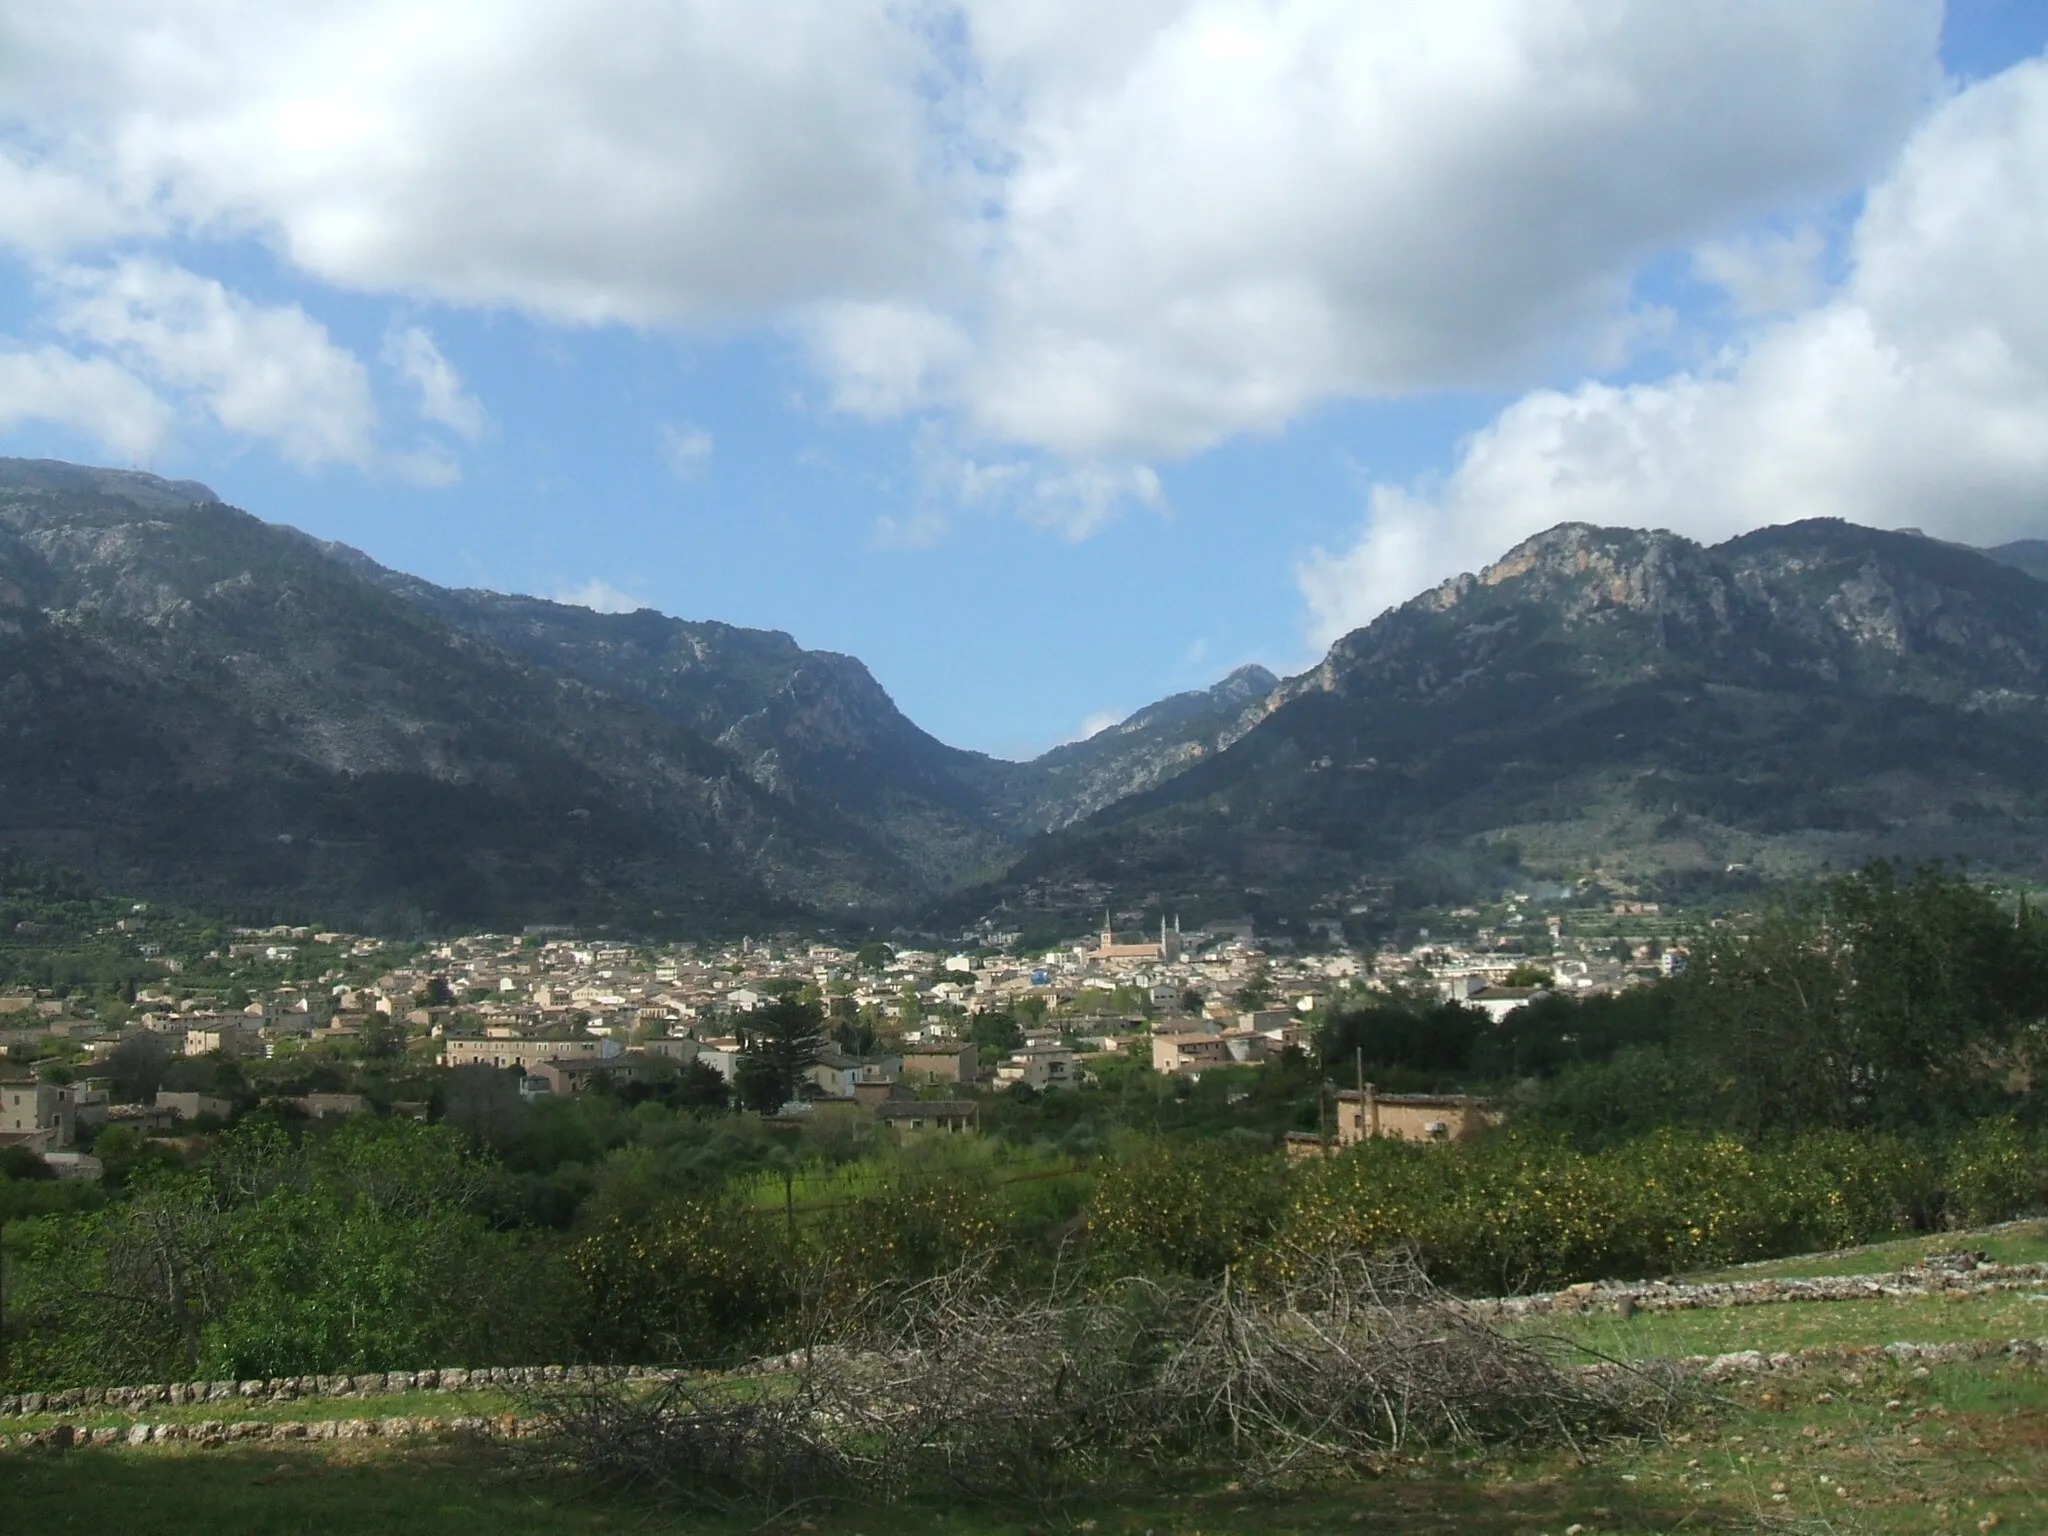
(1110, 234)
(263, 371)
(1764, 272)
(90, 395)
(46, 210)
(1914, 394)
(686, 450)
(1221, 213)
(1071, 499)
(411, 351)
(695, 159)
(884, 359)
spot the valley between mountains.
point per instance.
(202, 705)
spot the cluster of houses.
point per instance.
(566, 1012)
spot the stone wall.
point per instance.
(282, 1389)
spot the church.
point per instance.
(1107, 950)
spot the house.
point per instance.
(1409, 1116)
(1040, 1067)
(143, 1118)
(89, 1106)
(678, 1048)
(525, 1054)
(1189, 1051)
(1499, 1002)
(564, 1078)
(839, 1076)
(190, 1106)
(225, 1040)
(834, 1073)
(930, 1117)
(41, 1116)
(874, 1093)
(942, 1061)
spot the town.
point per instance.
(916, 1039)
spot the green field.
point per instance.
(1848, 1446)
(2015, 1242)
(1799, 1325)
(1838, 1451)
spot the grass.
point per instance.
(1808, 1324)
(1943, 1452)
(1865, 1450)
(2018, 1242)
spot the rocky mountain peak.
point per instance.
(145, 490)
(1244, 685)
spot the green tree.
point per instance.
(781, 1040)
(852, 1033)
(1257, 991)
(699, 1085)
(996, 1034)
(1876, 1002)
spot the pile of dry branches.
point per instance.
(956, 1387)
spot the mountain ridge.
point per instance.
(1612, 704)
(1620, 705)
(287, 680)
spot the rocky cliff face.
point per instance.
(811, 728)
(1137, 754)
(195, 701)
(208, 703)
(1626, 703)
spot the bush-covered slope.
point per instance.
(1618, 703)
(193, 701)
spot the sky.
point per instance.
(1048, 357)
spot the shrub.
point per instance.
(1995, 1171)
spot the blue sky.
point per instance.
(1048, 365)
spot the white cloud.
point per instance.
(430, 466)
(1225, 212)
(686, 450)
(1109, 234)
(600, 596)
(262, 371)
(1916, 394)
(46, 210)
(411, 351)
(1765, 272)
(90, 395)
(884, 359)
(1071, 499)
(694, 159)
(1096, 724)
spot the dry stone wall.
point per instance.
(1944, 1279)
(284, 1389)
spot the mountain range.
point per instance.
(195, 702)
